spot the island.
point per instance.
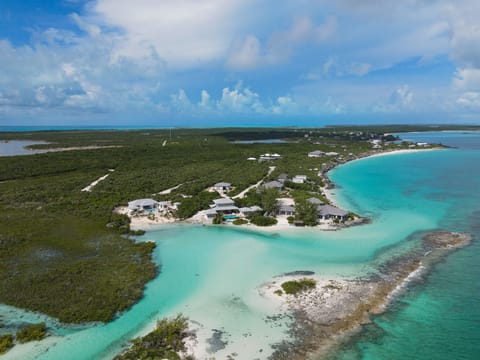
(69, 219)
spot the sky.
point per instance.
(238, 62)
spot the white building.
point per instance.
(316, 154)
(299, 179)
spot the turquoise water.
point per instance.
(213, 274)
(439, 318)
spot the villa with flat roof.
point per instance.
(223, 187)
(142, 204)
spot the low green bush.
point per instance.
(295, 287)
(6, 343)
(240, 222)
(165, 342)
(32, 332)
(260, 220)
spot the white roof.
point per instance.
(222, 184)
(140, 203)
(331, 210)
(273, 184)
(250, 209)
(223, 201)
(315, 201)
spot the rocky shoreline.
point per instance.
(330, 314)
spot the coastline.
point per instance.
(329, 315)
(146, 224)
(330, 185)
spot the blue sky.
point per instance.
(216, 62)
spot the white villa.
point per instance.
(222, 187)
(316, 154)
(149, 205)
(299, 179)
(268, 157)
(142, 205)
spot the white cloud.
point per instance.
(205, 100)
(284, 105)
(180, 101)
(400, 100)
(280, 46)
(182, 32)
(245, 55)
(470, 100)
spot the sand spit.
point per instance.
(330, 314)
(89, 147)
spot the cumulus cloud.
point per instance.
(400, 100)
(183, 33)
(280, 45)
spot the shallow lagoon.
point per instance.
(18, 147)
(212, 275)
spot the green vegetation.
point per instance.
(278, 292)
(261, 220)
(240, 222)
(295, 287)
(64, 253)
(6, 343)
(165, 342)
(218, 219)
(32, 332)
(307, 212)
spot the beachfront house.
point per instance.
(222, 187)
(286, 210)
(299, 179)
(164, 205)
(273, 185)
(143, 205)
(224, 206)
(326, 212)
(247, 211)
(316, 154)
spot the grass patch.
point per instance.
(240, 222)
(295, 287)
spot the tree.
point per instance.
(307, 212)
(218, 219)
(269, 201)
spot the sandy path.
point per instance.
(90, 187)
(242, 194)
